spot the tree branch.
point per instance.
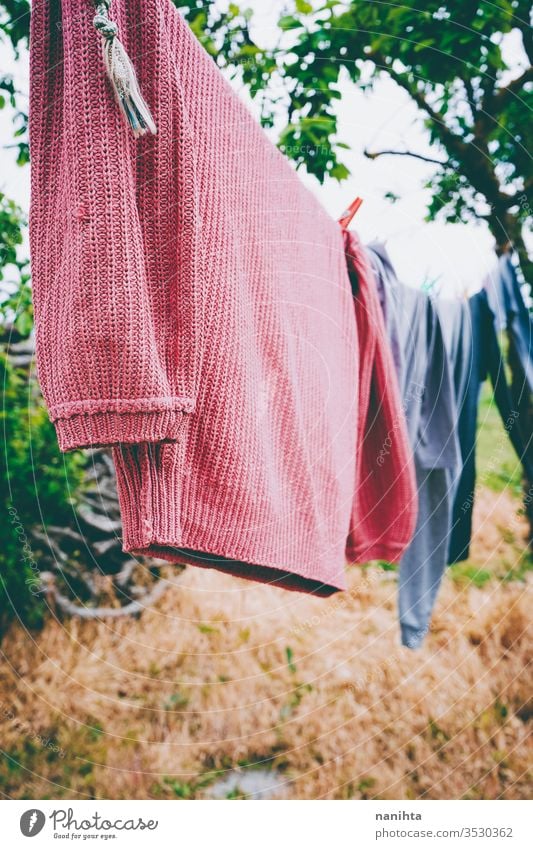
(471, 98)
(70, 609)
(413, 91)
(474, 157)
(499, 98)
(374, 155)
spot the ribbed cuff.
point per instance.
(92, 430)
(149, 485)
(164, 515)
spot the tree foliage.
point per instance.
(450, 59)
(29, 448)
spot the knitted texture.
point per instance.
(193, 307)
(117, 291)
(385, 502)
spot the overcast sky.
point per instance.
(457, 256)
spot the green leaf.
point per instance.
(289, 22)
(339, 172)
(290, 659)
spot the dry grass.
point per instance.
(227, 675)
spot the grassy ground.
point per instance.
(226, 686)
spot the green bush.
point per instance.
(39, 488)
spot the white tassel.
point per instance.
(122, 74)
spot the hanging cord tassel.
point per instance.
(122, 74)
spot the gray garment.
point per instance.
(480, 332)
(456, 323)
(429, 401)
(424, 562)
(427, 557)
(517, 316)
(389, 298)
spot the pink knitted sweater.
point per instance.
(192, 305)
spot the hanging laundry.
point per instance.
(517, 315)
(457, 333)
(193, 310)
(486, 361)
(456, 327)
(385, 503)
(429, 403)
(509, 303)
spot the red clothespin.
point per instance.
(349, 213)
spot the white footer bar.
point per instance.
(268, 824)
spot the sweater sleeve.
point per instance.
(113, 233)
(385, 500)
